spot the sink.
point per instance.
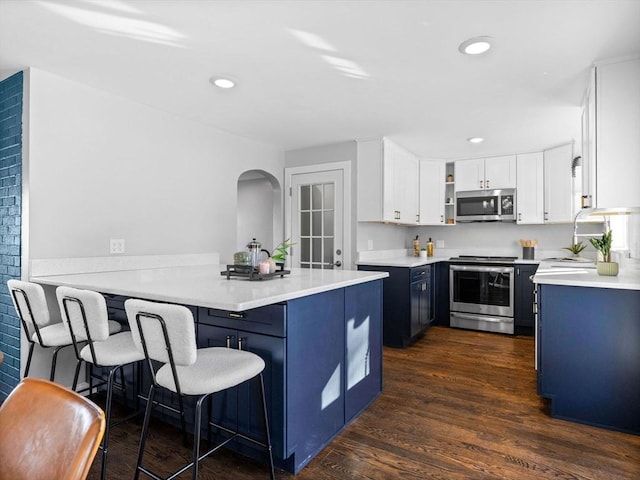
(568, 259)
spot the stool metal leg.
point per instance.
(196, 436)
(266, 429)
(145, 430)
(76, 375)
(105, 438)
(26, 370)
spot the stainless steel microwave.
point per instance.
(486, 206)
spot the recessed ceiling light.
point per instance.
(222, 82)
(475, 139)
(475, 45)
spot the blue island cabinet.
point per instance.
(589, 355)
(323, 356)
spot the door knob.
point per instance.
(338, 263)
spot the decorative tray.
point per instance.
(251, 273)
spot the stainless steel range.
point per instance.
(481, 290)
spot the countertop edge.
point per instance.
(557, 273)
(241, 293)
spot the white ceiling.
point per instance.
(317, 72)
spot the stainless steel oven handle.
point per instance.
(481, 268)
(484, 318)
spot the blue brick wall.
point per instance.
(10, 220)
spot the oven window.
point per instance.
(481, 288)
(477, 206)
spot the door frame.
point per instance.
(345, 167)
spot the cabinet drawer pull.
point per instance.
(229, 341)
(236, 314)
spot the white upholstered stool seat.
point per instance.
(215, 369)
(53, 335)
(57, 334)
(117, 349)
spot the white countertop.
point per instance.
(585, 275)
(204, 285)
(410, 262)
(402, 261)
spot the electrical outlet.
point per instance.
(116, 245)
(439, 243)
(370, 244)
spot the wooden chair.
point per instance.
(48, 432)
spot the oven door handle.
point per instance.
(480, 268)
(484, 318)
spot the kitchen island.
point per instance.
(319, 332)
(588, 344)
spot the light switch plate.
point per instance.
(439, 243)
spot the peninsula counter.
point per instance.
(319, 332)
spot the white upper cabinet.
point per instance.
(432, 192)
(558, 195)
(616, 162)
(387, 183)
(500, 172)
(530, 188)
(469, 175)
(405, 183)
(486, 173)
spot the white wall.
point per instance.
(103, 167)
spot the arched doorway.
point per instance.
(259, 209)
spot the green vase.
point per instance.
(609, 269)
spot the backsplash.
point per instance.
(470, 238)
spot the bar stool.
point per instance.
(30, 303)
(166, 334)
(85, 314)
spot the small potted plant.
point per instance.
(576, 248)
(280, 253)
(604, 265)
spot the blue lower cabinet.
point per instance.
(589, 355)
(524, 298)
(316, 372)
(408, 306)
(241, 407)
(323, 356)
(363, 377)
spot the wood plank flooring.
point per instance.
(456, 405)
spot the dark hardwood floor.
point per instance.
(456, 405)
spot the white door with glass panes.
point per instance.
(316, 219)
